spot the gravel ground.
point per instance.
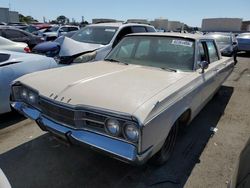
(202, 158)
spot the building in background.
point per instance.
(13, 16)
(221, 24)
(245, 26)
(166, 25)
(160, 24)
(142, 21)
(175, 26)
(8, 16)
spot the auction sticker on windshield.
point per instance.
(110, 30)
(182, 43)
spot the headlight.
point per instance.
(85, 57)
(24, 94)
(32, 97)
(113, 127)
(131, 132)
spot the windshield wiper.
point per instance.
(168, 69)
(115, 60)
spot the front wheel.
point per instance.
(165, 152)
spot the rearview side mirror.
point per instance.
(203, 65)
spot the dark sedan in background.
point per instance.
(19, 35)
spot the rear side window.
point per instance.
(138, 29)
(212, 51)
(4, 57)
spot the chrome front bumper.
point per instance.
(115, 148)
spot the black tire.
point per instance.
(166, 151)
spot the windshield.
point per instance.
(222, 39)
(95, 34)
(163, 52)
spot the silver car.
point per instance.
(226, 43)
(244, 42)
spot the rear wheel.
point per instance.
(165, 152)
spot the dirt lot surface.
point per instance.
(202, 158)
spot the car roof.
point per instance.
(168, 34)
(69, 26)
(220, 33)
(118, 24)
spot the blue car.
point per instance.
(51, 48)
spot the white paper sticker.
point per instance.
(182, 43)
(110, 30)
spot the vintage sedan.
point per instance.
(130, 105)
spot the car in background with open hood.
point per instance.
(91, 43)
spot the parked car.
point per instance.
(130, 105)
(14, 65)
(244, 42)
(227, 43)
(30, 28)
(241, 177)
(19, 35)
(6, 44)
(56, 31)
(91, 43)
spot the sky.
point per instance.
(191, 12)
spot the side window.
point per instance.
(121, 34)
(138, 29)
(13, 34)
(212, 52)
(202, 52)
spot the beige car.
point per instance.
(130, 105)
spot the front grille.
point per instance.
(71, 117)
(58, 113)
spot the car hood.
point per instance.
(70, 47)
(104, 85)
